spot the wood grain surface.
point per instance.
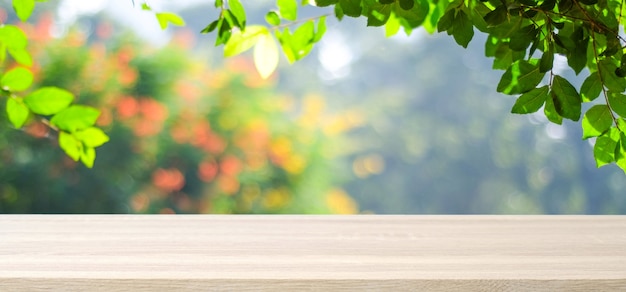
(319, 253)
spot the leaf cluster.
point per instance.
(78, 136)
(523, 37)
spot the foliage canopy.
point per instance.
(523, 38)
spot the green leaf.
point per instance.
(617, 101)
(392, 26)
(504, 56)
(211, 27)
(75, 117)
(92, 137)
(531, 101)
(266, 55)
(620, 157)
(462, 29)
(596, 121)
(446, 21)
(3, 52)
(48, 100)
(13, 37)
(21, 56)
(604, 148)
(238, 12)
(166, 18)
(520, 77)
(272, 18)
(550, 111)
(297, 45)
(548, 4)
(288, 9)
(241, 41)
(338, 12)
(17, 112)
(567, 101)
(351, 7)
(591, 88)
(16, 79)
(547, 61)
(23, 8)
(414, 17)
(521, 39)
(324, 3)
(223, 32)
(88, 156)
(70, 145)
(145, 6)
(302, 40)
(406, 4)
(286, 43)
(321, 29)
(508, 28)
(497, 16)
(577, 58)
(611, 81)
(478, 10)
(378, 14)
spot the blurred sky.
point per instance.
(126, 12)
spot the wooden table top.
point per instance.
(321, 253)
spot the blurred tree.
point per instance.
(185, 138)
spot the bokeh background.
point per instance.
(365, 124)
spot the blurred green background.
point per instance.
(362, 125)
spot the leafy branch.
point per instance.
(78, 135)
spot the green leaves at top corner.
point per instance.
(23, 8)
(165, 18)
(520, 77)
(48, 100)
